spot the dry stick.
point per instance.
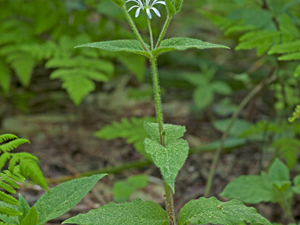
(245, 101)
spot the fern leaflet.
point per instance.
(13, 144)
(132, 130)
(6, 137)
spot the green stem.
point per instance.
(163, 31)
(287, 207)
(150, 32)
(245, 101)
(157, 97)
(135, 30)
(159, 116)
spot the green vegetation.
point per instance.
(100, 57)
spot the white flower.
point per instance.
(146, 6)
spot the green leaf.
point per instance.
(132, 46)
(134, 63)
(64, 197)
(5, 74)
(78, 87)
(6, 137)
(297, 71)
(138, 181)
(279, 171)
(23, 66)
(29, 167)
(281, 185)
(135, 213)
(203, 96)
(132, 130)
(31, 218)
(177, 5)
(171, 132)
(249, 189)
(120, 3)
(122, 191)
(13, 144)
(221, 88)
(169, 159)
(23, 208)
(238, 127)
(174, 44)
(297, 180)
(9, 211)
(204, 211)
(170, 8)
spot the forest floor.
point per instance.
(65, 144)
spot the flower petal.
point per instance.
(149, 13)
(133, 7)
(136, 1)
(147, 2)
(159, 2)
(137, 13)
(156, 11)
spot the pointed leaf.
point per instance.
(132, 46)
(23, 208)
(249, 189)
(203, 96)
(170, 159)
(178, 5)
(31, 217)
(119, 2)
(174, 44)
(170, 8)
(122, 191)
(64, 197)
(134, 213)
(204, 211)
(279, 171)
(172, 132)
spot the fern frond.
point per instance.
(260, 127)
(9, 211)
(289, 149)
(6, 137)
(79, 61)
(78, 81)
(7, 188)
(297, 71)
(8, 199)
(23, 66)
(70, 73)
(4, 77)
(288, 57)
(288, 47)
(78, 87)
(3, 159)
(132, 130)
(13, 144)
(296, 114)
(262, 40)
(29, 167)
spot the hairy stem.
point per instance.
(150, 32)
(163, 31)
(169, 194)
(245, 101)
(135, 30)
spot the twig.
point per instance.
(245, 101)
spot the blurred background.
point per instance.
(83, 109)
